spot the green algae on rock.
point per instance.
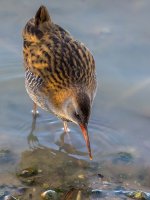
(138, 195)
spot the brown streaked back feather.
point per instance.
(53, 54)
(42, 16)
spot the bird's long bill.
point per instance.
(86, 137)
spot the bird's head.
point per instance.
(77, 110)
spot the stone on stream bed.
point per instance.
(28, 172)
(49, 195)
(9, 197)
(140, 195)
(123, 158)
(28, 176)
(11, 192)
(97, 194)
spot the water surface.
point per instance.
(117, 32)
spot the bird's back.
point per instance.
(56, 64)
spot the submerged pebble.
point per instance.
(9, 197)
(97, 193)
(138, 195)
(20, 191)
(28, 182)
(49, 195)
(2, 192)
(81, 176)
(10, 192)
(31, 171)
(6, 190)
(123, 157)
(100, 176)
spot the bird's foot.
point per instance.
(66, 129)
(33, 141)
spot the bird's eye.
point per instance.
(77, 115)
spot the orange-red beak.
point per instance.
(86, 137)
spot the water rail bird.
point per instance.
(59, 71)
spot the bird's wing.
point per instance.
(59, 59)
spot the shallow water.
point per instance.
(117, 32)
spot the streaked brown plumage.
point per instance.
(60, 71)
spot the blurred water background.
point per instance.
(118, 34)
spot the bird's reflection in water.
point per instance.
(34, 143)
(68, 148)
(33, 139)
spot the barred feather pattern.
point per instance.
(54, 62)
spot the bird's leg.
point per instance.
(32, 139)
(35, 112)
(65, 127)
(66, 131)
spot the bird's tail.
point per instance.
(35, 27)
(42, 16)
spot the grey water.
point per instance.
(118, 34)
